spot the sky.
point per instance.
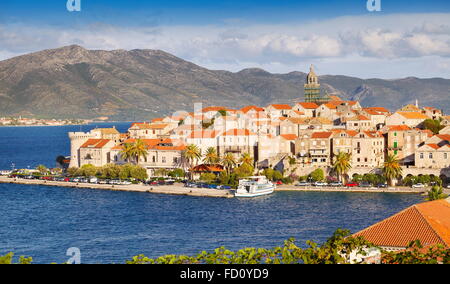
(340, 37)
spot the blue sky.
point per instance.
(407, 38)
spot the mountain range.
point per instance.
(73, 82)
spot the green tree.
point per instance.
(244, 170)
(436, 193)
(9, 259)
(392, 169)
(125, 171)
(342, 165)
(317, 175)
(110, 171)
(139, 173)
(139, 150)
(42, 169)
(211, 157)
(192, 154)
(434, 126)
(277, 175)
(229, 162)
(208, 177)
(87, 171)
(127, 153)
(177, 173)
(72, 171)
(247, 159)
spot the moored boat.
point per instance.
(254, 186)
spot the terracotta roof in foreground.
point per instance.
(427, 222)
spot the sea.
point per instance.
(48, 223)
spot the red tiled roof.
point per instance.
(238, 132)
(309, 105)
(379, 109)
(427, 222)
(249, 108)
(95, 143)
(412, 115)
(321, 135)
(445, 137)
(208, 168)
(289, 136)
(434, 146)
(330, 106)
(204, 134)
(281, 106)
(399, 128)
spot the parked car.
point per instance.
(418, 185)
(365, 184)
(336, 184)
(93, 180)
(382, 185)
(352, 184)
(224, 187)
(279, 182)
(303, 183)
(318, 183)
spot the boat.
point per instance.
(254, 186)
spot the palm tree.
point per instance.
(127, 152)
(392, 168)
(229, 162)
(246, 159)
(42, 169)
(139, 150)
(342, 165)
(436, 193)
(190, 154)
(211, 156)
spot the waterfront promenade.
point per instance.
(179, 189)
(407, 190)
(171, 190)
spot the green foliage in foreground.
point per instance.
(9, 259)
(336, 250)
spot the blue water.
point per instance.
(43, 222)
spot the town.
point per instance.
(321, 131)
(23, 121)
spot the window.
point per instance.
(164, 159)
(431, 156)
(445, 156)
(421, 156)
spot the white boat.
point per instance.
(254, 186)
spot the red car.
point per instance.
(279, 182)
(352, 184)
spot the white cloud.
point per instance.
(370, 40)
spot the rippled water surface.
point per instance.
(43, 222)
